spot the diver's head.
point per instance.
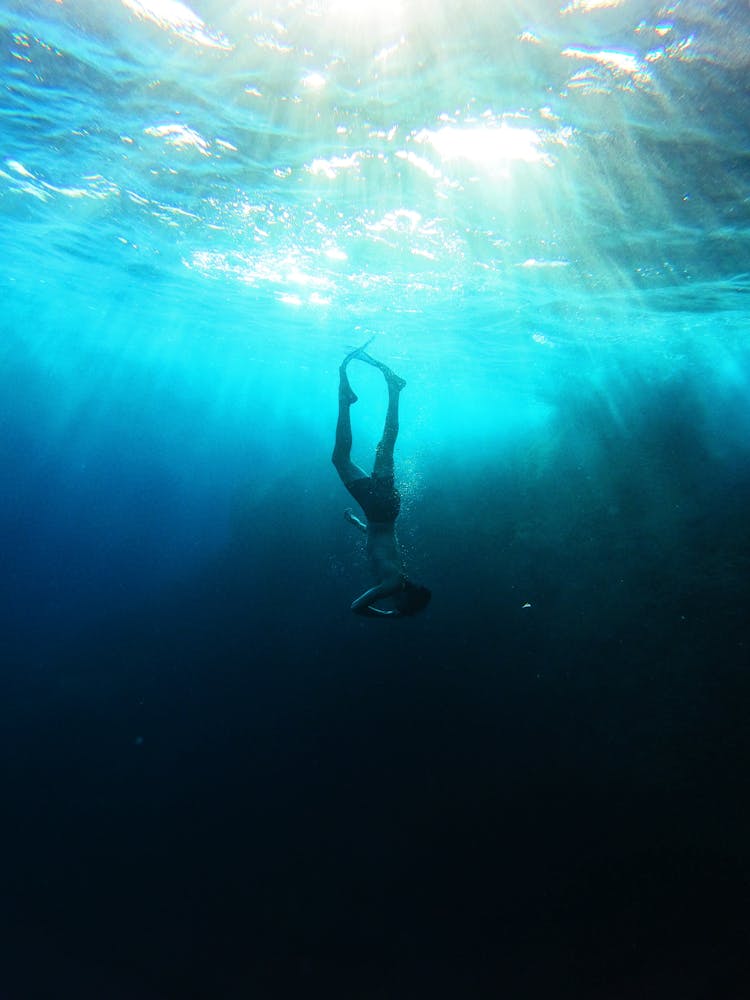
(413, 598)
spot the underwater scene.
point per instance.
(463, 712)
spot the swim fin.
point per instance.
(356, 351)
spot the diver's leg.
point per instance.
(384, 452)
(342, 448)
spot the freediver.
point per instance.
(379, 499)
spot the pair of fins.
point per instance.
(361, 353)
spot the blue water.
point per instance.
(223, 784)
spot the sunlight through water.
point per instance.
(385, 157)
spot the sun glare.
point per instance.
(486, 146)
(368, 9)
(179, 18)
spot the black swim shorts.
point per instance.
(378, 498)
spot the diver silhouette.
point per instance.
(379, 499)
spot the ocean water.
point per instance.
(220, 783)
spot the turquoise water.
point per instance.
(540, 211)
(204, 208)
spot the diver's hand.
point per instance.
(353, 519)
(370, 611)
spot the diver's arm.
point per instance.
(372, 612)
(364, 604)
(353, 519)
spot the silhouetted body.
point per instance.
(379, 500)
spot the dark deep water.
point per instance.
(237, 790)
(216, 781)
